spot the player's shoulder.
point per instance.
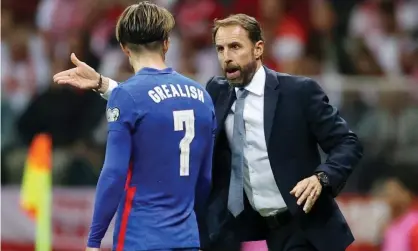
(122, 89)
(188, 81)
(134, 82)
(135, 86)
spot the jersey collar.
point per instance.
(153, 71)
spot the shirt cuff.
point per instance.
(112, 85)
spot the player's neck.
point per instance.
(155, 62)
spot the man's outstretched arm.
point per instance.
(85, 77)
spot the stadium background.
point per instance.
(363, 53)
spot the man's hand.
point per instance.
(92, 249)
(307, 190)
(82, 76)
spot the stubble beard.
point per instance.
(247, 74)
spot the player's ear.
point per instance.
(125, 50)
(259, 49)
(166, 44)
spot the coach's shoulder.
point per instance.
(217, 82)
(296, 83)
(294, 80)
(215, 85)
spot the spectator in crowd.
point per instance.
(25, 68)
(197, 58)
(377, 23)
(319, 53)
(399, 191)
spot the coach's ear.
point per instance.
(125, 50)
(259, 49)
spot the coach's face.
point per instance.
(238, 55)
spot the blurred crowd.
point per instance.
(364, 53)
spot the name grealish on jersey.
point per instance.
(159, 93)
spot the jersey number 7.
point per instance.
(184, 120)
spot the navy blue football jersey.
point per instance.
(158, 159)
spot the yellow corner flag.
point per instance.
(36, 194)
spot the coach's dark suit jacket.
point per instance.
(297, 117)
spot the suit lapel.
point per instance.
(271, 99)
(225, 101)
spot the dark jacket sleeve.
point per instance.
(202, 211)
(333, 135)
(211, 87)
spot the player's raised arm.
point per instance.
(110, 188)
(85, 77)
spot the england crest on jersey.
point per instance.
(112, 114)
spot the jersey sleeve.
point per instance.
(121, 113)
(110, 187)
(112, 85)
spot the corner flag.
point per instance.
(36, 189)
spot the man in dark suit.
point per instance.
(268, 180)
(266, 148)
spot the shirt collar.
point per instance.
(256, 85)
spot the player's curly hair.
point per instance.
(144, 26)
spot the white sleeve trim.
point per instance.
(112, 85)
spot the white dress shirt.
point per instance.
(259, 184)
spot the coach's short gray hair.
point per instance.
(250, 24)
